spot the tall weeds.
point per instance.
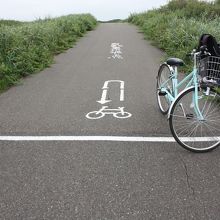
(176, 27)
(30, 47)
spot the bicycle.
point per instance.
(194, 113)
(117, 113)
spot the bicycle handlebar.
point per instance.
(195, 54)
(203, 51)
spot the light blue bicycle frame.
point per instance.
(192, 80)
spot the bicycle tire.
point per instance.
(184, 123)
(95, 115)
(164, 74)
(121, 116)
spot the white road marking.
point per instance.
(102, 138)
(105, 88)
(104, 110)
(103, 99)
(122, 83)
(116, 51)
(117, 113)
(122, 95)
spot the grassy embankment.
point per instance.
(28, 47)
(177, 26)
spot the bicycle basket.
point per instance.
(209, 67)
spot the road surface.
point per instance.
(55, 170)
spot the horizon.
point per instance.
(24, 10)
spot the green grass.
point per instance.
(29, 47)
(177, 26)
(10, 23)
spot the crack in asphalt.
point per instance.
(191, 188)
(187, 176)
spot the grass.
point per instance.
(177, 26)
(28, 47)
(10, 23)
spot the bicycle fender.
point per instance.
(165, 63)
(168, 115)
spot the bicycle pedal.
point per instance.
(162, 93)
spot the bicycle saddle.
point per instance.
(175, 62)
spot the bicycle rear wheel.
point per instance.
(164, 81)
(188, 129)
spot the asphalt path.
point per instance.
(99, 179)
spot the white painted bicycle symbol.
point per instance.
(117, 113)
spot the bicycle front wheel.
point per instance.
(190, 130)
(122, 115)
(164, 81)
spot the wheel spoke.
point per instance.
(186, 127)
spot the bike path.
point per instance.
(57, 100)
(99, 179)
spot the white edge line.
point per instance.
(86, 138)
(101, 138)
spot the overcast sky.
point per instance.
(102, 9)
